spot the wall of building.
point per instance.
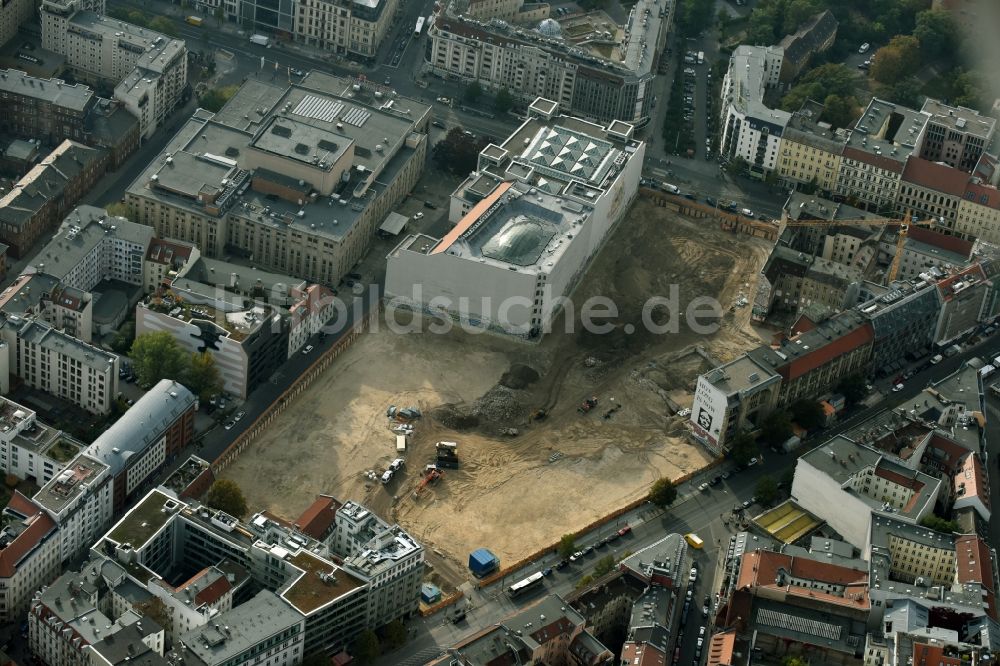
(820, 495)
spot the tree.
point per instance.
(219, 14)
(940, 524)
(118, 209)
(797, 12)
(504, 101)
(473, 92)
(122, 342)
(567, 545)
(604, 565)
(395, 634)
(896, 60)
(694, 17)
(585, 581)
(138, 18)
(937, 34)
(663, 493)
(164, 25)
(743, 448)
(791, 660)
(157, 356)
(807, 413)
(853, 388)
(457, 152)
(227, 496)
(819, 83)
(202, 376)
(213, 99)
(366, 647)
(767, 490)
(904, 93)
(840, 111)
(776, 427)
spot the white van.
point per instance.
(673, 189)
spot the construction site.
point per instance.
(538, 439)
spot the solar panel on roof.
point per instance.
(312, 106)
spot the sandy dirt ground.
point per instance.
(516, 494)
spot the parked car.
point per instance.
(438, 123)
(625, 530)
(307, 349)
(753, 461)
(693, 575)
(864, 48)
(230, 424)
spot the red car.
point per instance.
(625, 530)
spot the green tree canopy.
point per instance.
(896, 60)
(567, 545)
(213, 99)
(227, 496)
(457, 152)
(807, 413)
(366, 647)
(794, 660)
(937, 34)
(940, 524)
(604, 565)
(202, 376)
(473, 92)
(840, 111)
(164, 25)
(767, 490)
(663, 493)
(504, 101)
(118, 209)
(124, 338)
(853, 388)
(776, 427)
(157, 356)
(395, 634)
(819, 83)
(743, 448)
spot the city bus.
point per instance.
(420, 26)
(531, 582)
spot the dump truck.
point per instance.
(260, 40)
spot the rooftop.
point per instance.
(936, 176)
(242, 279)
(211, 307)
(960, 118)
(65, 488)
(54, 91)
(802, 206)
(316, 520)
(25, 527)
(664, 561)
(142, 425)
(45, 336)
(748, 80)
(81, 233)
(320, 584)
(805, 127)
(157, 50)
(739, 375)
(144, 520)
(235, 631)
(885, 135)
(807, 351)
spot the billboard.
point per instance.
(708, 412)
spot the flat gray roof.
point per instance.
(739, 375)
(960, 118)
(64, 488)
(42, 334)
(241, 628)
(888, 130)
(217, 272)
(158, 50)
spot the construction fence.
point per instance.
(322, 362)
(729, 221)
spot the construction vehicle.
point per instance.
(539, 414)
(431, 476)
(587, 405)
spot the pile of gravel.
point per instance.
(453, 418)
(500, 404)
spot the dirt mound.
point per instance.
(519, 377)
(454, 418)
(501, 405)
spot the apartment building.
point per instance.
(47, 359)
(354, 28)
(197, 602)
(798, 280)
(315, 307)
(249, 343)
(814, 37)
(732, 398)
(956, 136)
(978, 214)
(752, 131)
(147, 69)
(153, 431)
(50, 111)
(811, 150)
(302, 186)
(41, 295)
(926, 251)
(877, 149)
(81, 502)
(931, 190)
(166, 260)
(38, 202)
(91, 246)
(903, 321)
(588, 64)
(964, 298)
(845, 483)
(971, 487)
(264, 628)
(29, 555)
(29, 449)
(386, 555)
(12, 16)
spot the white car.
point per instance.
(897, 388)
(684, 412)
(753, 461)
(418, 216)
(308, 349)
(746, 212)
(693, 576)
(444, 100)
(864, 48)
